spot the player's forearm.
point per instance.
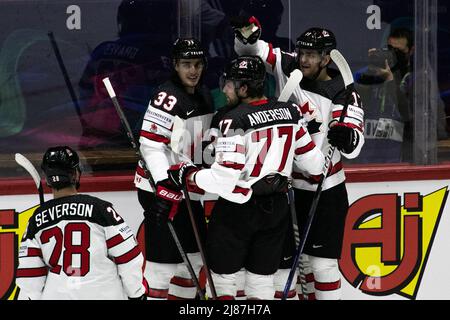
(132, 277)
(155, 156)
(311, 163)
(259, 48)
(218, 179)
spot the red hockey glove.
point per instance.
(179, 172)
(246, 29)
(168, 199)
(343, 137)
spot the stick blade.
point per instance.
(27, 165)
(343, 66)
(294, 80)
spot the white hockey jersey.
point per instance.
(172, 131)
(259, 139)
(79, 248)
(321, 103)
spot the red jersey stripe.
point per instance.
(309, 277)
(34, 252)
(258, 102)
(305, 149)
(141, 172)
(158, 293)
(31, 272)
(154, 137)
(291, 294)
(336, 114)
(244, 191)
(182, 282)
(300, 133)
(130, 255)
(327, 286)
(172, 297)
(232, 165)
(114, 241)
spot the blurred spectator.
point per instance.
(385, 98)
(135, 63)
(386, 89)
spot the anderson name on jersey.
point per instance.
(79, 247)
(321, 104)
(259, 139)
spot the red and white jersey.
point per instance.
(321, 103)
(259, 139)
(79, 247)
(173, 125)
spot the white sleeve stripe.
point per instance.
(122, 247)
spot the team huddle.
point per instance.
(261, 159)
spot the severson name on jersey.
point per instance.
(61, 210)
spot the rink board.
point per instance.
(396, 240)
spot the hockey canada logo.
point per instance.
(386, 245)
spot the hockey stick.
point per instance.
(125, 123)
(28, 166)
(294, 79)
(65, 76)
(346, 73)
(177, 136)
(199, 243)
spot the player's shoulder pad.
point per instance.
(248, 117)
(328, 89)
(104, 213)
(219, 115)
(169, 98)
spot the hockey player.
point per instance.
(77, 246)
(321, 97)
(184, 100)
(262, 138)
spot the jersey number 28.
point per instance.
(66, 239)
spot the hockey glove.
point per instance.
(246, 29)
(168, 199)
(179, 172)
(343, 137)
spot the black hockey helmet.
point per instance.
(188, 48)
(319, 39)
(246, 68)
(60, 164)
